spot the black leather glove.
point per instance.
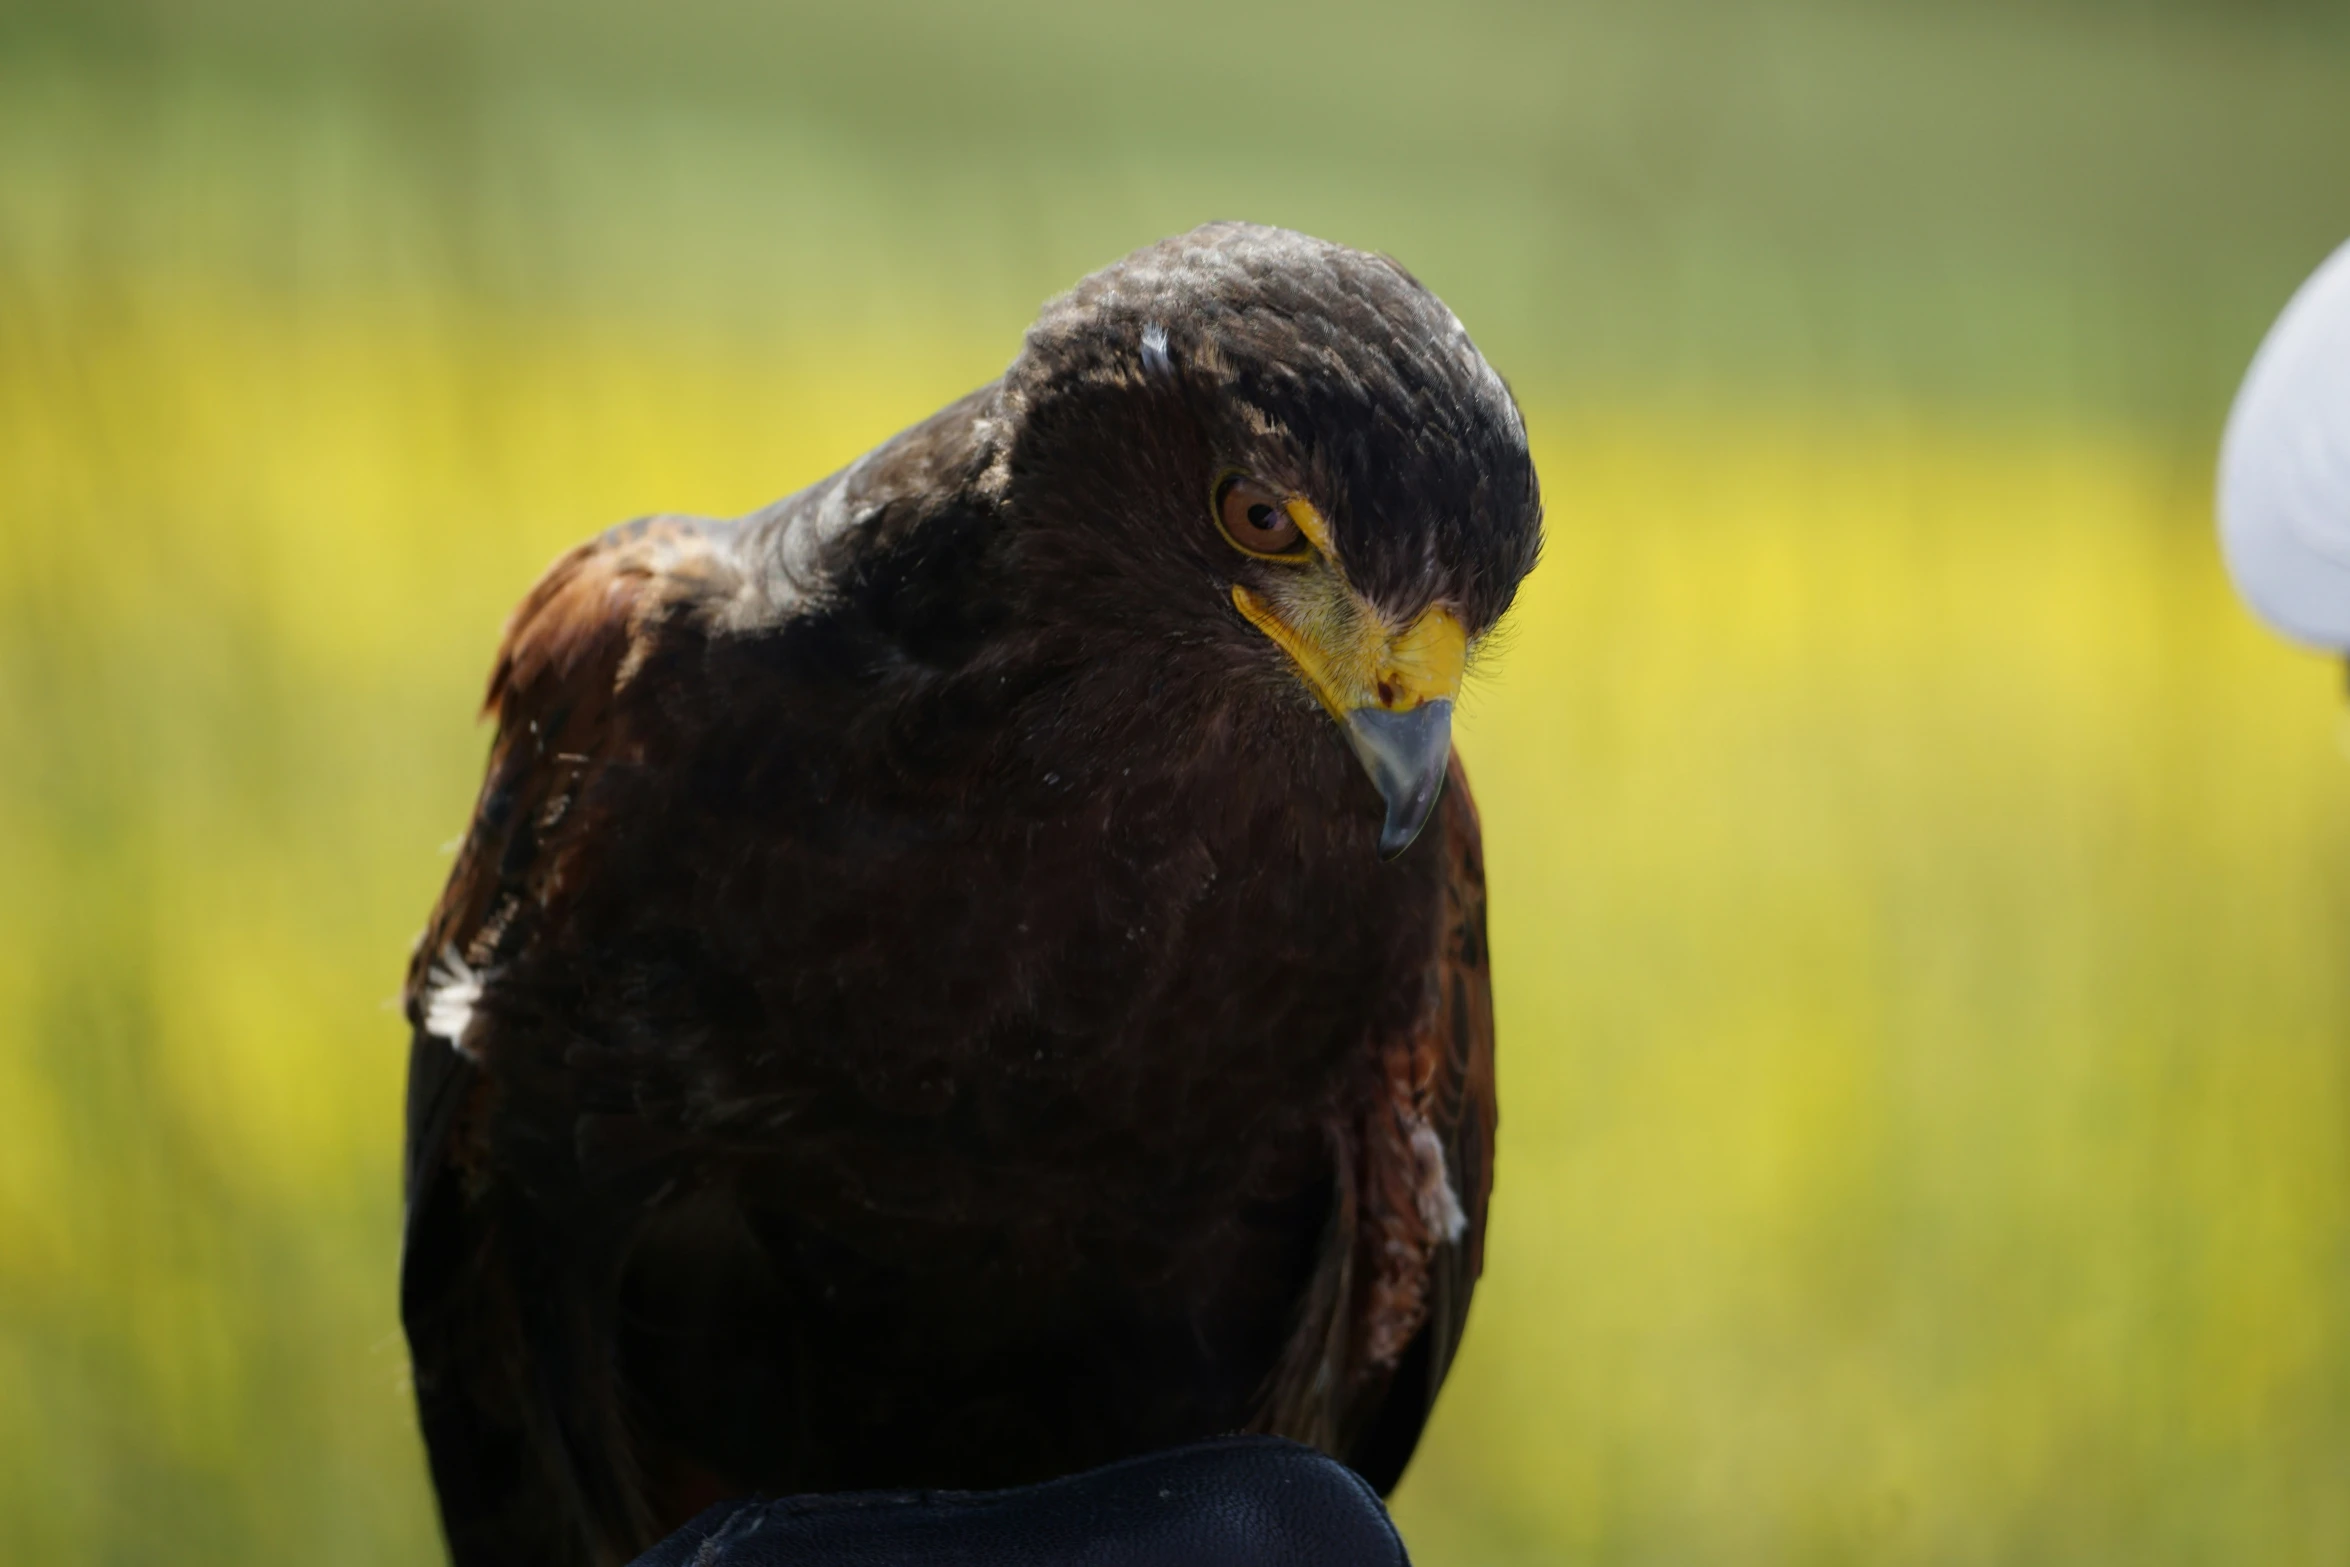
(1243, 1501)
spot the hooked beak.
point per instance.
(1391, 690)
(1405, 753)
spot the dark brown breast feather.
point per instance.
(1407, 1239)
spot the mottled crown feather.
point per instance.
(1334, 364)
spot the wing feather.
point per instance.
(511, 1391)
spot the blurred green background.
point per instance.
(1921, 897)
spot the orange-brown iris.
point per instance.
(1255, 519)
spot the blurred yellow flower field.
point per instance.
(1920, 908)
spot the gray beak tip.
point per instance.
(1398, 835)
(1405, 754)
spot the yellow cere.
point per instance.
(1345, 648)
(1424, 664)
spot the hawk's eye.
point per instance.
(1255, 518)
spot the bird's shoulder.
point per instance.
(635, 647)
(560, 693)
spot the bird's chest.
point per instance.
(1106, 1000)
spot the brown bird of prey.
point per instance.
(978, 969)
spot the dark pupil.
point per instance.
(1260, 517)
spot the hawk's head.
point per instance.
(1290, 452)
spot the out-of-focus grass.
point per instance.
(1920, 896)
(1919, 901)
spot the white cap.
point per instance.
(2284, 467)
